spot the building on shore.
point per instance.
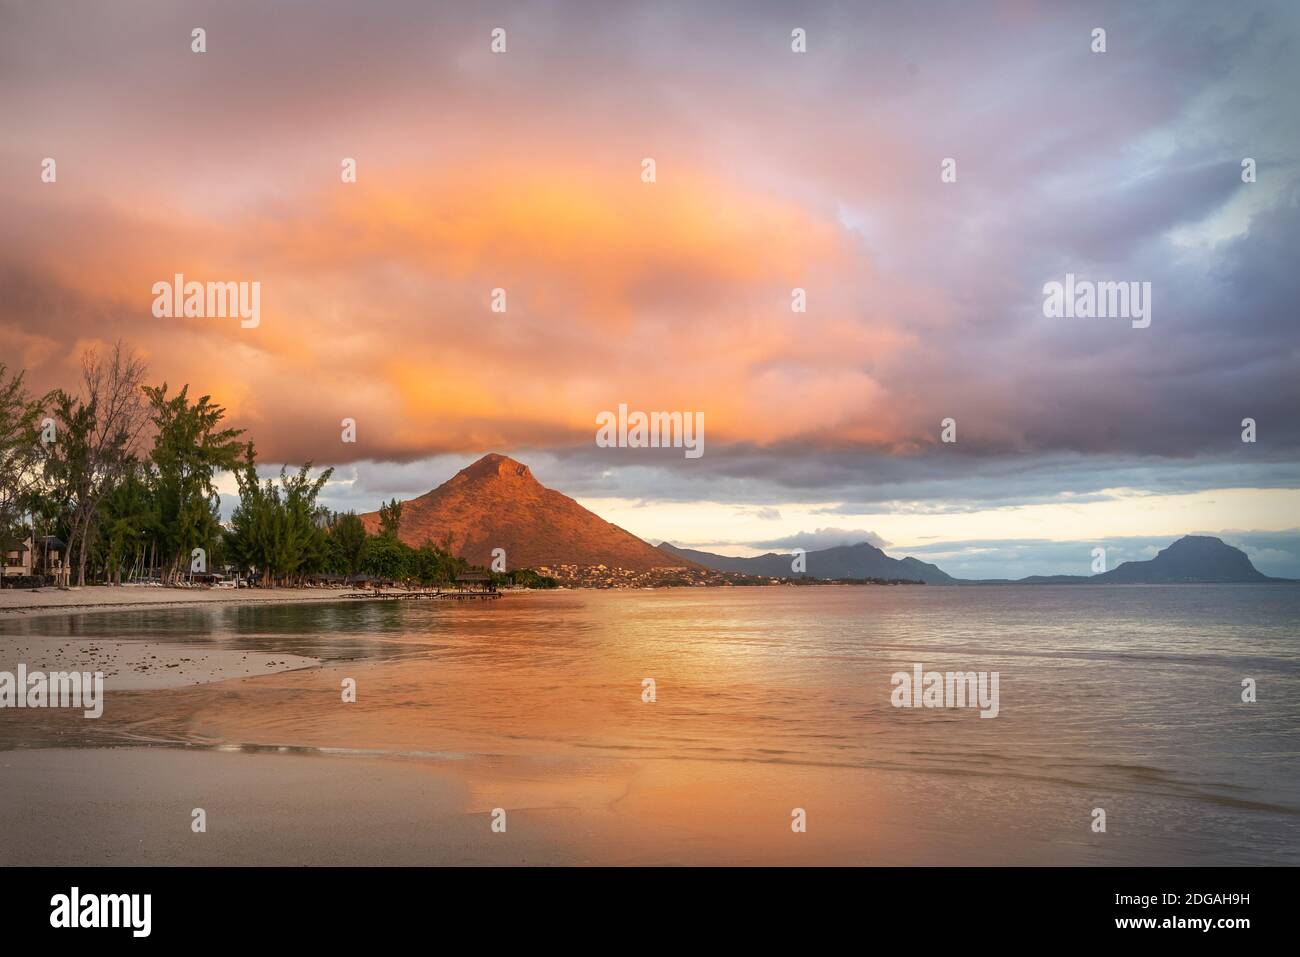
(41, 557)
(476, 581)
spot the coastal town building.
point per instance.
(18, 561)
(41, 557)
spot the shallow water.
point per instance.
(1131, 691)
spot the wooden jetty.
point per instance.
(468, 585)
(452, 595)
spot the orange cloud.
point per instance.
(375, 306)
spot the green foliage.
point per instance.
(437, 566)
(19, 441)
(70, 467)
(279, 530)
(524, 578)
(128, 518)
(95, 444)
(390, 518)
(189, 449)
(387, 558)
(345, 540)
(18, 416)
(132, 517)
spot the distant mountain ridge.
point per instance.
(862, 560)
(1192, 559)
(497, 503)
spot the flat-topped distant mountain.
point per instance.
(496, 503)
(1193, 559)
(842, 561)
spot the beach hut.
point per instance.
(476, 581)
(18, 561)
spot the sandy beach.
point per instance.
(28, 603)
(145, 665)
(281, 806)
(134, 665)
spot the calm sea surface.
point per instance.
(1120, 690)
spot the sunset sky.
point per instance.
(775, 170)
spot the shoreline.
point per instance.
(19, 604)
(23, 604)
(143, 664)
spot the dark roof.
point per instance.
(474, 577)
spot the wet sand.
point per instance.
(25, 603)
(287, 808)
(136, 665)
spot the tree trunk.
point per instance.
(81, 557)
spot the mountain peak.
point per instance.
(861, 561)
(494, 465)
(496, 504)
(1203, 542)
(1193, 558)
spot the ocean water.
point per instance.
(1131, 695)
